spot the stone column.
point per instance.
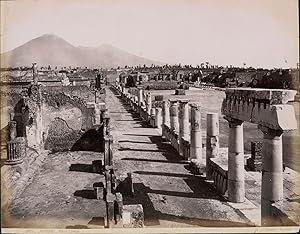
(16, 151)
(148, 102)
(212, 140)
(196, 134)
(140, 97)
(158, 118)
(236, 181)
(12, 129)
(34, 73)
(184, 128)
(108, 156)
(166, 113)
(272, 177)
(174, 124)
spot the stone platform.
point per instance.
(288, 209)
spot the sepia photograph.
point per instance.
(150, 116)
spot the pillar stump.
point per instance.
(236, 180)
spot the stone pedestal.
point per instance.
(174, 124)
(272, 177)
(212, 141)
(16, 151)
(196, 134)
(236, 181)
(166, 113)
(184, 127)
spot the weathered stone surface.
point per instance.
(273, 96)
(133, 216)
(264, 107)
(179, 92)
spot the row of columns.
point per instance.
(175, 115)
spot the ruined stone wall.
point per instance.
(83, 92)
(66, 117)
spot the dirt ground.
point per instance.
(61, 195)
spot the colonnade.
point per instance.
(266, 108)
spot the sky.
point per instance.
(260, 33)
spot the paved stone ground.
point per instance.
(170, 194)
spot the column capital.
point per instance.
(195, 106)
(183, 101)
(12, 124)
(233, 122)
(270, 133)
(166, 102)
(173, 101)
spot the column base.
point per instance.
(236, 191)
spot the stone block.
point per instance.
(179, 92)
(99, 191)
(159, 98)
(133, 216)
(97, 166)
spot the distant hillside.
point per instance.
(54, 51)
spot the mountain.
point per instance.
(54, 51)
